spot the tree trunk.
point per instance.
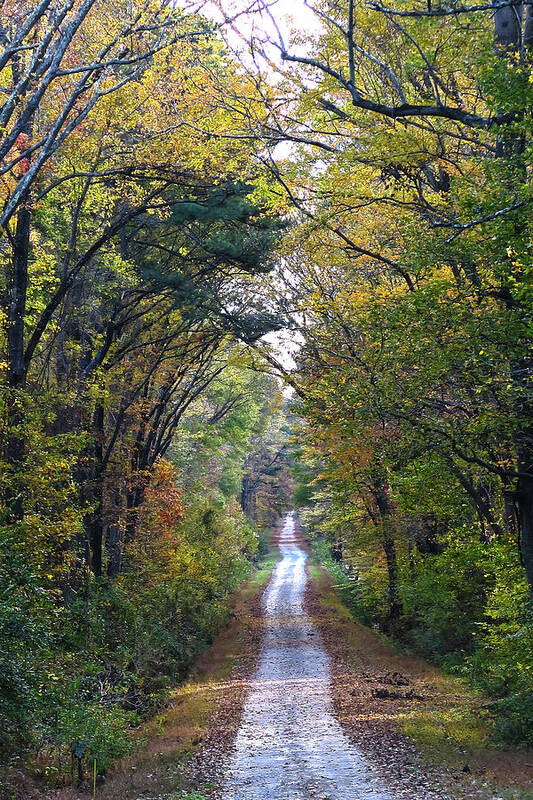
(16, 371)
(94, 522)
(389, 547)
(113, 539)
(508, 28)
(524, 488)
(114, 550)
(248, 491)
(134, 501)
(524, 496)
(96, 536)
(481, 498)
(509, 513)
(337, 551)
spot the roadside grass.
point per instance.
(450, 725)
(166, 743)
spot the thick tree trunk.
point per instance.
(248, 492)
(527, 37)
(508, 28)
(524, 488)
(114, 550)
(134, 501)
(509, 512)
(94, 521)
(113, 540)
(16, 370)
(17, 304)
(524, 497)
(389, 547)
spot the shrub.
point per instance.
(27, 616)
(514, 721)
(444, 597)
(93, 732)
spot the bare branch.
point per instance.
(445, 12)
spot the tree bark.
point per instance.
(524, 451)
(133, 502)
(114, 550)
(17, 372)
(248, 492)
(96, 537)
(508, 27)
(524, 495)
(94, 521)
(389, 547)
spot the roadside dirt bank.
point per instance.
(425, 731)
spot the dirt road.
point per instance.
(290, 744)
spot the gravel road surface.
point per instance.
(290, 745)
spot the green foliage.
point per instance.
(41, 704)
(135, 269)
(514, 719)
(355, 593)
(27, 638)
(262, 545)
(444, 597)
(465, 608)
(502, 662)
(411, 270)
(78, 671)
(93, 732)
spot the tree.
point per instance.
(408, 172)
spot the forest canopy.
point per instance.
(178, 186)
(136, 218)
(409, 278)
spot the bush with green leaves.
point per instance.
(27, 621)
(79, 667)
(93, 732)
(502, 662)
(444, 596)
(465, 608)
(354, 592)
